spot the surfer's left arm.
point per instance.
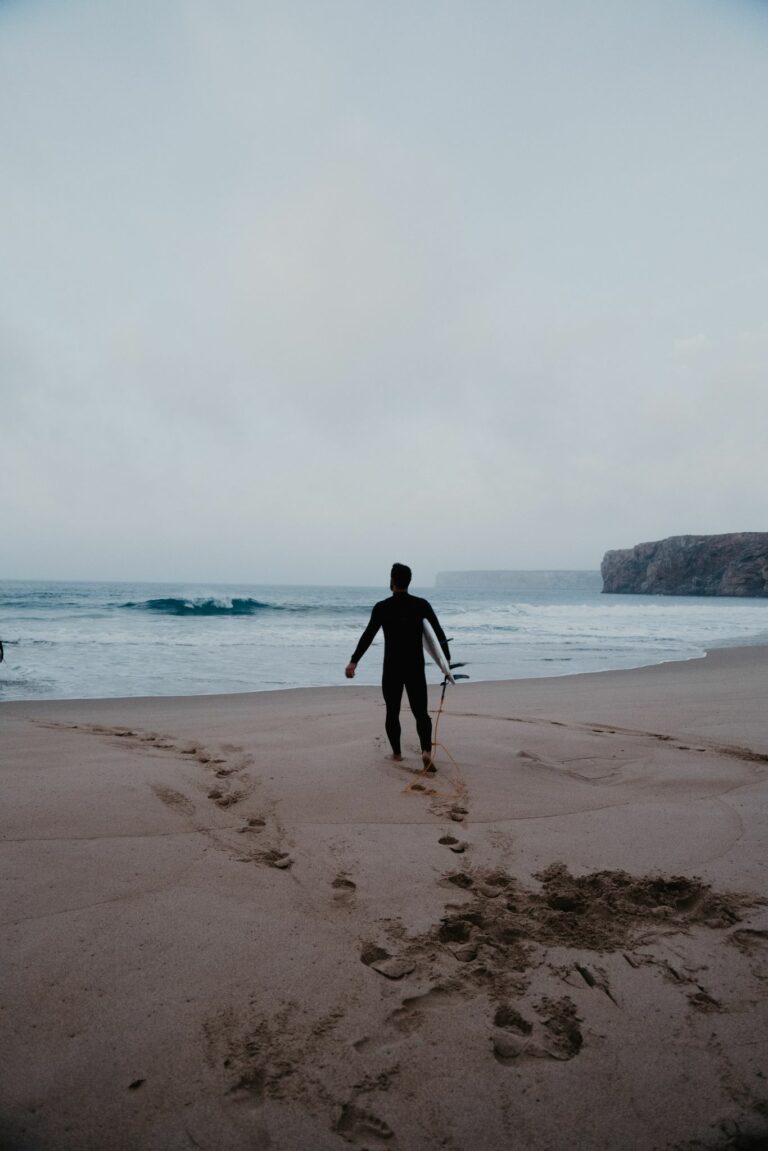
(434, 622)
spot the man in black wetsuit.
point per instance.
(402, 617)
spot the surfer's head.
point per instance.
(399, 577)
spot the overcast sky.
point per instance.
(289, 290)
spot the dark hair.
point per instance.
(400, 575)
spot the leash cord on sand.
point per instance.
(459, 785)
(456, 782)
(435, 741)
(448, 678)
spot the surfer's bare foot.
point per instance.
(429, 763)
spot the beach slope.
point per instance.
(231, 923)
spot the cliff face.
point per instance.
(735, 564)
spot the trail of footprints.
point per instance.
(285, 1057)
(487, 946)
(230, 788)
(481, 956)
(483, 949)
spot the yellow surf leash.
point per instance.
(460, 786)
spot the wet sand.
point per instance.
(231, 923)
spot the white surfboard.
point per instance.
(435, 652)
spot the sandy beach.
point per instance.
(230, 923)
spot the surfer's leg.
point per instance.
(392, 687)
(416, 687)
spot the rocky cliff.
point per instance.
(735, 564)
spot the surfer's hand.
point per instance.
(349, 670)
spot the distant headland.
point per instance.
(521, 580)
(725, 565)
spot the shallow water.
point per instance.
(80, 640)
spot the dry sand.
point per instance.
(230, 923)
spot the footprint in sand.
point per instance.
(279, 859)
(750, 940)
(750, 937)
(408, 1018)
(363, 1129)
(344, 888)
(557, 1035)
(259, 839)
(392, 966)
(411, 1014)
(255, 825)
(224, 799)
(250, 1086)
(457, 931)
(514, 1034)
(701, 1000)
(173, 799)
(460, 879)
(453, 843)
(596, 979)
(562, 1034)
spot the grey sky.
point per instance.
(291, 290)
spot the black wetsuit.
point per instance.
(402, 617)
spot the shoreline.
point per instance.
(86, 645)
(758, 645)
(230, 922)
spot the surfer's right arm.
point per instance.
(365, 642)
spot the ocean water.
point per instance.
(91, 640)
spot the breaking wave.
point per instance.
(210, 605)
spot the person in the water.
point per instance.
(401, 617)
